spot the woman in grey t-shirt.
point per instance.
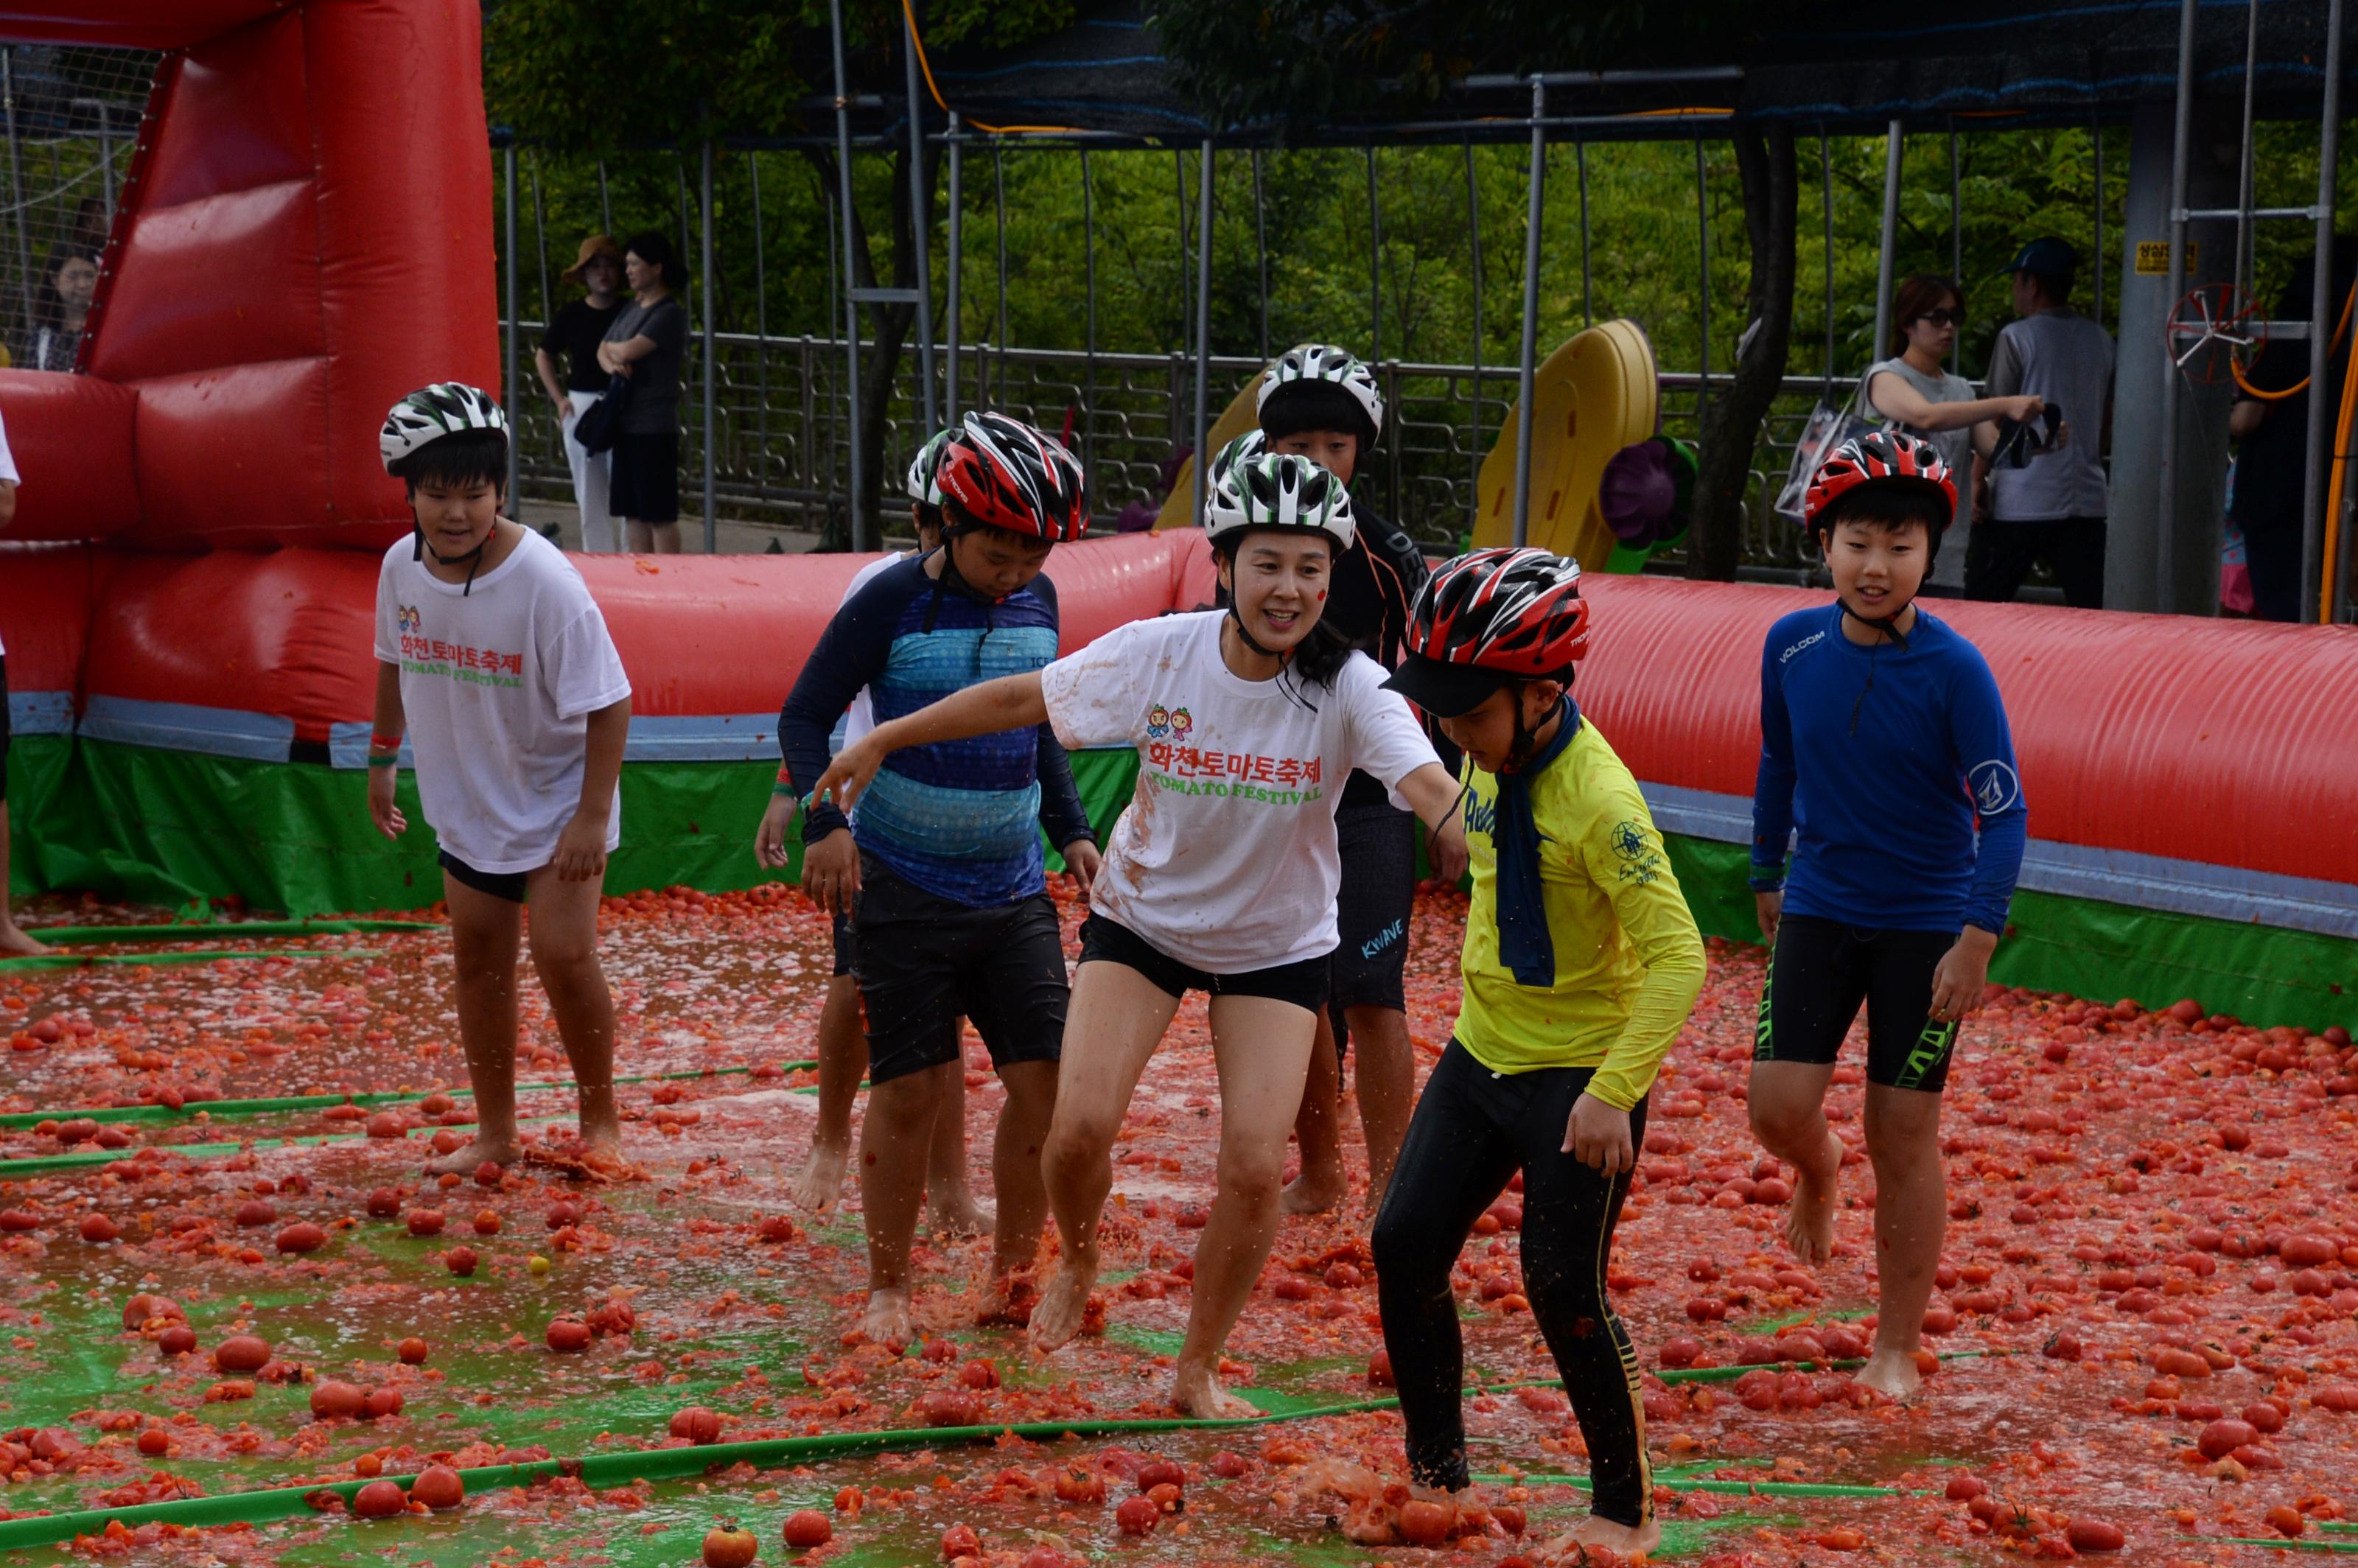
(1912, 391)
(646, 342)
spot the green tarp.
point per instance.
(171, 827)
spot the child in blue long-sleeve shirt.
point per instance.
(1886, 761)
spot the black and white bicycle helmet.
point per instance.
(925, 481)
(425, 415)
(1274, 490)
(1321, 369)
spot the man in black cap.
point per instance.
(2045, 499)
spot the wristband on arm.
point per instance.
(1767, 879)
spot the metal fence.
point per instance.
(781, 457)
(70, 117)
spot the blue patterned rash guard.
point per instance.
(960, 819)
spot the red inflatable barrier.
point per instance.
(56, 424)
(2226, 742)
(47, 599)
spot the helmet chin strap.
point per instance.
(473, 559)
(1247, 637)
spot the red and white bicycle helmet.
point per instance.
(1883, 461)
(1490, 616)
(1003, 473)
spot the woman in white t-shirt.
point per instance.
(1913, 391)
(1221, 876)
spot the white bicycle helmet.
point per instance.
(425, 415)
(1243, 449)
(1275, 489)
(1324, 363)
(925, 481)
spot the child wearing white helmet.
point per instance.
(1220, 876)
(495, 662)
(842, 1048)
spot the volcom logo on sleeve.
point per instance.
(1787, 657)
(1995, 787)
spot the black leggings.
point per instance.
(1471, 1131)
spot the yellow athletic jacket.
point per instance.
(1628, 960)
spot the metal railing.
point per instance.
(781, 456)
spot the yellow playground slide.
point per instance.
(1594, 395)
(1241, 415)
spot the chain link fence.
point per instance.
(70, 116)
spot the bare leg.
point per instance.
(565, 952)
(1318, 1128)
(950, 1208)
(1384, 1074)
(638, 538)
(667, 537)
(1911, 1217)
(1262, 1046)
(892, 1183)
(14, 941)
(842, 1062)
(1015, 1163)
(1115, 1019)
(1788, 1103)
(485, 933)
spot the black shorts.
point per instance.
(1302, 982)
(644, 484)
(847, 950)
(922, 961)
(1378, 845)
(1819, 973)
(509, 885)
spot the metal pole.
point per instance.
(1826, 210)
(1260, 251)
(851, 272)
(1374, 265)
(2182, 129)
(1089, 371)
(1587, 292)
(1203, 321)
(712, 350)
(1891, 240)
(761, 335)
(957, 270)
(17, 176)
(540, 242)
(1956, 235)
(1186, 279)
(508, 345)
(2243, 272)
(2333, 603)
(679, 168)
(1703, 257)
(1473, 432)
(998, 196)
(1530, 364)
(921, 221)
(2096, 132)
(106, 162)
(605, 205)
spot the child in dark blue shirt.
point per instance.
(1886, 760)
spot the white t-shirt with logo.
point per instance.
(1225, 859)
(860, 716)
(498, 683)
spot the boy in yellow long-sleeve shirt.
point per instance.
(1581, 964)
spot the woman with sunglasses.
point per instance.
(1912, 391)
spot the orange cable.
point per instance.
(2302, 384)
(2328, 567)
(926, 67)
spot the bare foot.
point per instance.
(1891, 1373)
(886, 1321)
(17, 943)
(1196, 1392)
(820, 1182)
(464, 1159)
(585, 1159)
(1809, 1222)
(1313, 1192)
(1009, 1299)
(1370, 1524)
(955, 1215)
(1628, 1540)
(1062, 1307)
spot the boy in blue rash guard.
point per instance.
(1884, 743)
(943, 868)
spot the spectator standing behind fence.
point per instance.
(61, 306)
(576, 383)
(2052, 507)
(646, 342)
(1912, 391)
(2272, 446)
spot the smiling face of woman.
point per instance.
(77, 281)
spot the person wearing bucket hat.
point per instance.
(567, 363)
(2051, 507)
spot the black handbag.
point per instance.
(601, 427)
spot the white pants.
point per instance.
(590, 470)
